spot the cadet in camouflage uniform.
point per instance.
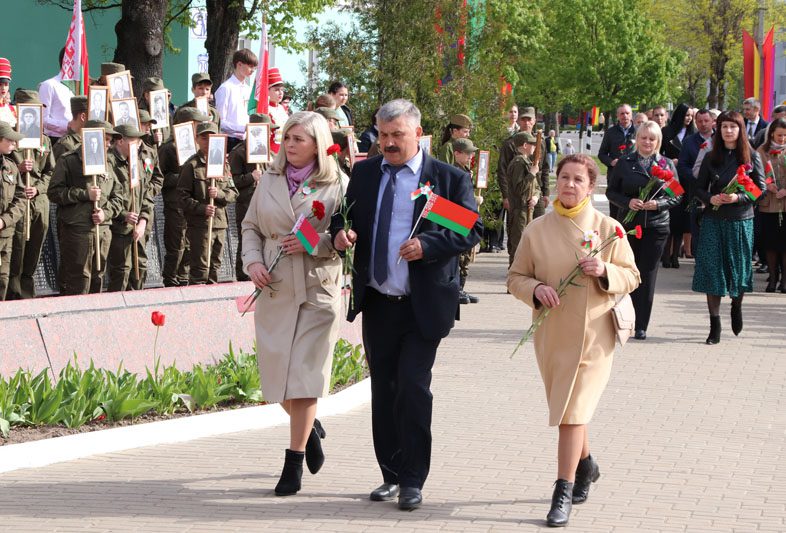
(195, 192)
(202, 86)
(177, 251)
(11, 201)
(340, 138)
(74, 194)
(463, 151)
(73, 138)
(523, 188)
(26, 253)
(128, 227)
(246, 176)
(459, 128)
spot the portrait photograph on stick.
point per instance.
(482, 175)
(202, 104)
(120, 85)
(184, 141)
(97, 98)
(159, 104)
(216, 156)
(93, 151)
(425, 144)
(133, 164)
(125, 113)
(30, 125)
(257, 140)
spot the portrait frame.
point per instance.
(425, 144)
(133, 111)
(255, 157)
(91, 166)
(482, 172)
(184, 153)
(133, 165)
(201, 103)
(91, 91)
(161, 121)
(127, 87)
(353, 148)
(30, 141)
(216, 141)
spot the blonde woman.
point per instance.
(297, 313)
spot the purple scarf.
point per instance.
(296, 176)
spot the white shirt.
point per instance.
(57, 99)
(232, 105)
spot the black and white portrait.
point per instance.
(124, 113)
(184, 141)
(257, 139)
(159, 108)
(97, 103)
(93, 151)
(425, 144)
(120, 86)
(216, 155)
(483, 170)
(29, 125)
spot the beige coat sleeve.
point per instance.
(253, 240)
(521, 280)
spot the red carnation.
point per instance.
(157, 318)
(620, 233)
(622, 147)
(775, 152)
(333, 149)
(703, 145)
(638, 231)
(318, 208)
(768, 181)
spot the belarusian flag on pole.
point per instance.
(75, 67)
(306, 234)
(449, 214)
(673, 188)
(258, 103)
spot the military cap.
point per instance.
(7, 132)
(464, 145)
(329, 114)
(187, 114)
(129, 130)
(528, 112)
(144, 117)
(108, 129)
(207, 127)
(523, 137)
(261, 118)
(27, 96)
(340, 138)
(461, 120)
(200, 77)
(111, 68)
(152, 84)
(78, 105)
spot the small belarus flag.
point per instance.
(769, 173)
(306, 234)
(673, 188)
(752, 191)
(449, 214)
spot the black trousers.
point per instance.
(400, 361)
(647, 252)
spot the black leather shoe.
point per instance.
(384, 493)
(736, 318)
(472, 299)
(640, 334)
(561, 504)
(715, 330)
(666, 263)
(587, 473)
(315, 457)
(463, 297)
(291, 475)
(771, 287)
(762, 269)
(675, 262)
(409, 498)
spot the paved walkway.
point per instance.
(689, 437)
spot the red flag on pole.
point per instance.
(75, 65)
(748, 59)
(259, 94)
(768, 75)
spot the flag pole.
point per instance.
(98, 230)
(210, 232)
(28, 155)
(415, 227)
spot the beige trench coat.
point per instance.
(297, 319)
(574, 346)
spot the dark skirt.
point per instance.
(773, 232)
(723, 257)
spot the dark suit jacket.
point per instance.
(761, 125)
(613, 139)
(434, 280)
(691, 145)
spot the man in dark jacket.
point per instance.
(691, 145)
(617, 141)
(754, 122)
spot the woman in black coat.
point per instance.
(632, 174)
(680, 126)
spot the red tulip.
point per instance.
(158, 319)
(318, 209)
(333, 149)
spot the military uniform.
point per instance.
(77, 234)
(522, 186)
(11, 209)
(214, 118)
(67, 143)
(192, 186)
(465, 258)
(445, 152)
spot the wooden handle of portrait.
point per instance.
(28, 155)
(98, 230)
(210, 231)
(134, 250)
(538, 147)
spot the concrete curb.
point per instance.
(49, 451)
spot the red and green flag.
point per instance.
(769, 173)
(258, 103)
(673, 188)
(449, 214)
(306, 234)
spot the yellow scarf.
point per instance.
(570, 212)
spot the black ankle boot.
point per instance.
(715, 330)
(736, 317)
(560, 504)
(289, 483)
(586, 473)
(315, 457)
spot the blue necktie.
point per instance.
(383, 228)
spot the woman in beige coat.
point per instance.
(575, 344)
(297, 314)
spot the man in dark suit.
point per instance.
(617, 141)
(754, 123)
(409, 306)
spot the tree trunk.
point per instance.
(551, 122)
(223, 27)
(140, 39)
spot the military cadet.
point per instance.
(330, 115)
(202, 86)
(246, 176)
(340, 138)
(73, 138)
(11, 201)
(524, 189)
(463, 151)
(159, 135)
(459, 128)
(39, 163)
(195, 193)
(108, 69)
(75, 196)
(177, 250)
(129, 226)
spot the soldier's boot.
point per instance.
(465, 297)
